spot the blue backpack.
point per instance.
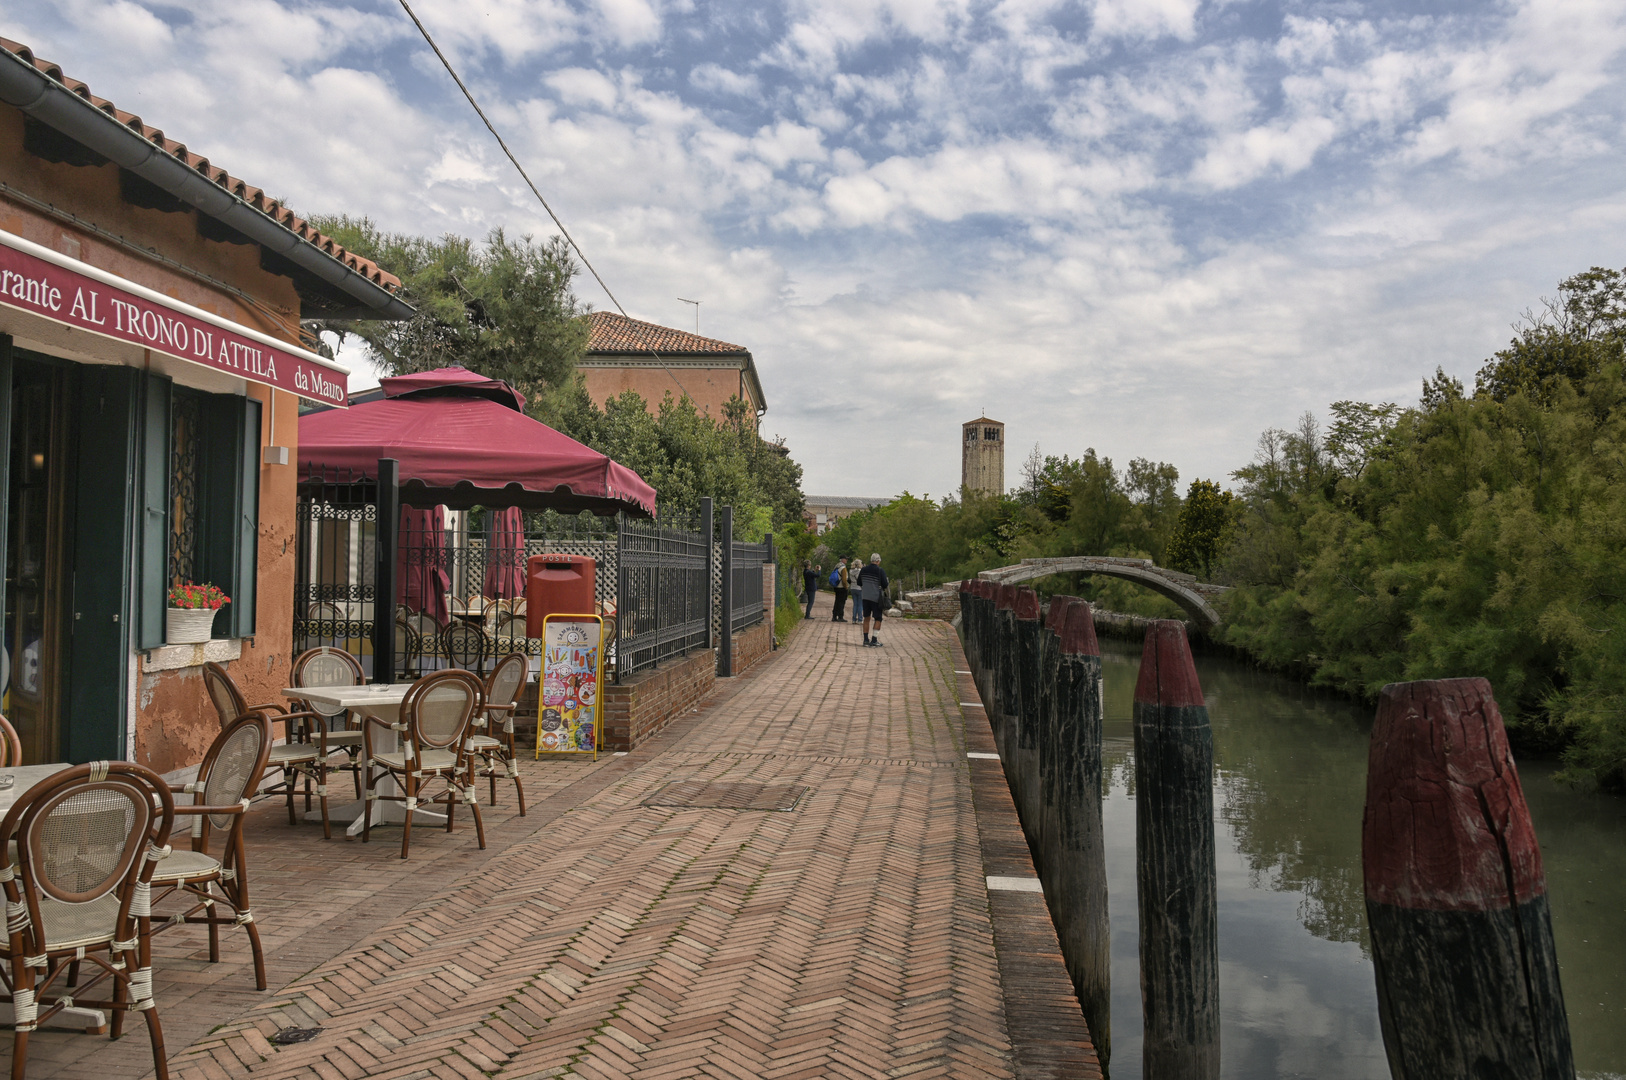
(835, 578)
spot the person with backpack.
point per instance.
(810, 585)
(838, 582)
(873, 583)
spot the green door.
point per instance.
(104, 489)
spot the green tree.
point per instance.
(504, 308)
(1200, 535)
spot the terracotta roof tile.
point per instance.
(614, 333)
(254, 196)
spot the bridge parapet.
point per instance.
(1192, 595)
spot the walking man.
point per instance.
(872, 584)
(810, 585)
(841, 582)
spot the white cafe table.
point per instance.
(382, 701)
(24, 777)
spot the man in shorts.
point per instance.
(872, 584)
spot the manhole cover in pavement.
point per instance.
(694, 794)
(289, 1036)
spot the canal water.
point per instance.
(1296, 992)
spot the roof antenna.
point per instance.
(696, 304)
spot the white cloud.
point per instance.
(1145, 18)
(1138, 226)
(718, 79)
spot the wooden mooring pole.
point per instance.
(1072, 852)
(1002, 649)
(1174, 873)
(1462, 938)
(1022, 767)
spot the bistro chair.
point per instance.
(491, 734)
(228, 776)
(465, 645)
(324, 617)
(79, 895)
(408, 649)
(433, 724)
(304, 752)
(329, 667)
(11, 747)
(428, 632)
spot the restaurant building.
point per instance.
(151, 366)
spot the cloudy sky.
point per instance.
(1154, 227)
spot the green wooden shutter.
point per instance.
(152, 567)
(229, 507)
(247, 574)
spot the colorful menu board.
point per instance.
(568, 713)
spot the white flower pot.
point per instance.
(188, 626)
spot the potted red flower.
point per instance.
(191, 615)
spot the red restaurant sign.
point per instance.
(141, 317)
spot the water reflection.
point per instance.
(1296, 989)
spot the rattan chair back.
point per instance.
(326, 666)
(232, 769)
(11, 747)
(464, 644)
(507, 679)
(438, 708)
(86, 838)
(228, 701)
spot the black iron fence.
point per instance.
(459, 580)
(335, 565)
(662, 585)
(747, 591)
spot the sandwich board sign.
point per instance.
(569, 713)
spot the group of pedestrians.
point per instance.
(867, 586)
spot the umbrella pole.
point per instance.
(389, 516)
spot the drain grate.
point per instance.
(696, 795)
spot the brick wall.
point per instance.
(647, 701)
(752, 645)
(935, 603)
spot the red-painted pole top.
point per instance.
(1027, 605)
(1078, 630)
(1167, 674)
(1005, 597)
(1057, 616)
(979, 588)
(1446, 827)
(965, 585)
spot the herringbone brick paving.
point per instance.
(600, 938)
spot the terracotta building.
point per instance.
(630, 354)
(151, 366)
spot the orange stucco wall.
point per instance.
(173, 723)
(708, 388)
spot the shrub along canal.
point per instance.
(1297, 997)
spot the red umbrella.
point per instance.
(422, 581)
(505, 555)
(464, 440)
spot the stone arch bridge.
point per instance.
(1192, 595)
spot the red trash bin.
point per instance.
(557, 585)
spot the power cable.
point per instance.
(447, 64)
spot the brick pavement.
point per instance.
(852, 936)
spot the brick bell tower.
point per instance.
(982, 456)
